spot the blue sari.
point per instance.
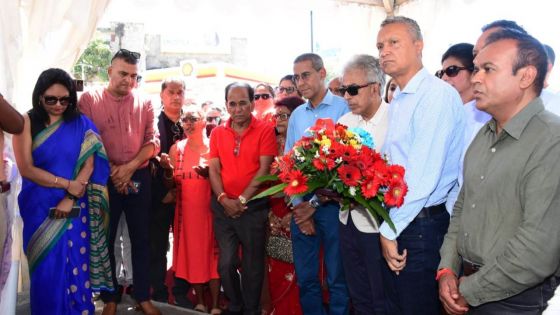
(68, 258)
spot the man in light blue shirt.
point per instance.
(425, 135)
(316, 224)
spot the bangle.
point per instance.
(71, 197)
(440, 273)
(55, 181)
(220, 196)
(68, 186)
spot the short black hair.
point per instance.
(266, 86)
(463, 52)
(130, 57)
(288, 77)
(506, 25)
(47, 79)
(530, 52)
(250, 90)
(290, 102)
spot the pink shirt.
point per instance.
(125, 124)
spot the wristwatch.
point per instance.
(242, 200)
(314, 203)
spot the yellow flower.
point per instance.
(326, 141)
(349, 134)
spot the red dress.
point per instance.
(284, 292)
(195, 254)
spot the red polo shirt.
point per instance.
(239, 154)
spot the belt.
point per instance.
(4, 187)
(428, 212)
(469, 268)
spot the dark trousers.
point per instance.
(136, 208)
(249, 231)
(529, 302)
(415, 290)
(306, 260)
(363, 263)
(161, 218)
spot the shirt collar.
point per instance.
(117, 98)
(252, 124)
(327, 100)
(414, 84)
(515, 126)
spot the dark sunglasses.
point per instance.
(264, 96)
(190, 119)
(451, 71)
(127, 54)
(353, 89)
(282, 116)
(287, 90)
(52, 100)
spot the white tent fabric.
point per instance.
(36, 35)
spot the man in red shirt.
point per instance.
(126, 125)
(240, 151)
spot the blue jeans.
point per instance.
(306, 261)
(363, 265)
(415, 289)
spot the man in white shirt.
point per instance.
(362, 85)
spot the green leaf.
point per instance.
(270, 191)
(266, 178)
(376, 210)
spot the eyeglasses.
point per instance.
(127, 54)
(237, 146)
(264, 96)
(353, 89)
(282, 116)
(191, 119)
(304, 76)
(451, 71)
(52, 100)
(287, 90)
(212, 119)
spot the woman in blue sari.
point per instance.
(64, 166)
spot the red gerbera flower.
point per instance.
(378, 170)
(370, 187)
(350, 175)
(322, 162)
(348, 153)
(335, 150)
(394, 197)
(395, 172)
(297, 183)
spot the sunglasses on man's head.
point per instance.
(353, 89)
(451, 71)
(264, 96)
(127, 53)
(52, 100)
(287, 90)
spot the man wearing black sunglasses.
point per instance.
(362, 84)
(425, 135)
(126, 124)
(309, 217)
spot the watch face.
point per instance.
(314, 203)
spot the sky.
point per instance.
(278, 31)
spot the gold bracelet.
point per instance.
(220, 196)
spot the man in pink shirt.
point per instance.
(126, 124)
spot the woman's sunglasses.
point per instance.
(52, 100)
(264, 96)
(451, 71)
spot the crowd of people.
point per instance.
(477, 233)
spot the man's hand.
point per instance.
(121, 174)
(453, 302)
(307, 227)
(390, 250)
(303, 212)
(233, 207)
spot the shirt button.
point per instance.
(482, 177)
(466, 234)
(493, 150)
(473, 206)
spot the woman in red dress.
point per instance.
(195, 255)
(284, 292)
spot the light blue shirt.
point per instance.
(475, 119)
(425, 136)
(304, 116)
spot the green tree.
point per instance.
(93, 63)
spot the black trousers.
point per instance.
(249, 231)
(136, 208)
(161, 218)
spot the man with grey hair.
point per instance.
(425, 135)
(362, 87)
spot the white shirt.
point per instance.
(377, 127)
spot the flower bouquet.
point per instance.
(341, 160)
